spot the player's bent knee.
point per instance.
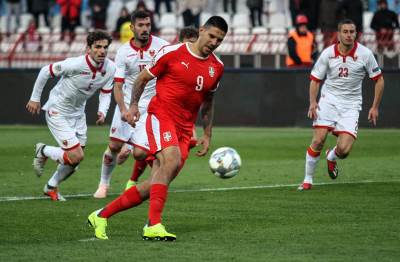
(318, 144)
(139, 154)
(342, 152)
(75, 158)
(115, 146)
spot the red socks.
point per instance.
(158, 196)
(128, 199)
(138, 169)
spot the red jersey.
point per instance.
(184, 79)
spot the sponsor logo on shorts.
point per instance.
(113, 130)
(167, 136)
(65, 143)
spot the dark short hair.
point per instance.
(218, 22)
(139, 14)
(98, 35)
(188, 32)
(345, 22)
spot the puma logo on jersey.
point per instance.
(185, 64)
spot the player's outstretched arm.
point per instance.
(207, 114)
(312, 110)
(374, 111)
(137, 90)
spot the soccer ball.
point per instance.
(225, 162)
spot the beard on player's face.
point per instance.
(143, 36)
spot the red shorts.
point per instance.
(162, 132)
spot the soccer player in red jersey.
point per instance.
(187, 34)
(187, 74)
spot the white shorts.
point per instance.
(337, 118)
(124, 132)
(69, 132)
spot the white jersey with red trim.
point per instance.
(344, 74)
(80, 79)
(130, 61)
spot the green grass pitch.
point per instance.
(259, 217)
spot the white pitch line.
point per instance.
(16, 198)
(88, 239)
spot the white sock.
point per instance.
(311, 164)
(107, 166)
(332, 155)
(61, 174)
(55, 153)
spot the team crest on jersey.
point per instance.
(167, 136)
(113, 130)
(152, 52)
(211, 71)
(103, 73)
(65, 143)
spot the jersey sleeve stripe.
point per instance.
(105, 91)
(119, 79)
(316, 79)
(51, 70)
(375, 78)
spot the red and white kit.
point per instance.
(80, 79)
(130, 61)
(341, 97)
(183, 81)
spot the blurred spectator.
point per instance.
(99, 13)
(70, 15)
(233, 6)
(392, 5)
(384, 22)
(301, 45)
(125, 32)
(294, 6)
(256, 8)
(123, 18)
(41, 7)
(353, 10)
(310, 8)
(157, 4)
(188, 34)
(141, 5)
(212, 6)
(327, 21)
(191, 10)
(31, 38)
(13, 7)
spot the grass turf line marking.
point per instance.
(88, 239)
(16, 198)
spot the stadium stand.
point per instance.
(267, 42)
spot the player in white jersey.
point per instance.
(130, 60)
(80, 78)
(344, 65)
